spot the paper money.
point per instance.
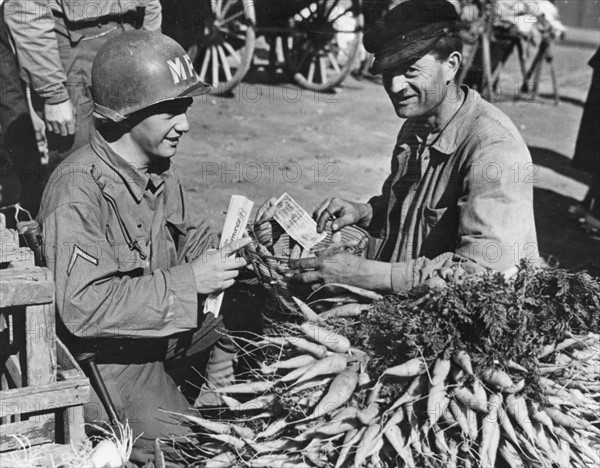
(297, 222)
(236, 220)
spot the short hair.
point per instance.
(447, 45)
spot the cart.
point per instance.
(314, 41)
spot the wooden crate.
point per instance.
(42, 388)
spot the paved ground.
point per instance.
(271, 138)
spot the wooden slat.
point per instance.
(40, 334)
(26, 287)
(45, 397)
(11, 252)
(73, 425)
(13, 368)
(38, 430)
(65, 359)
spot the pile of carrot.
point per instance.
(314, 400)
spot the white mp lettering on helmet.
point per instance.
(178, 71)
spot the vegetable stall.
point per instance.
(488, 371)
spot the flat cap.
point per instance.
(409, 31)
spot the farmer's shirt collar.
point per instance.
(447, 139)
(137, 180)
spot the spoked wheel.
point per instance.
(325, 39)
(222, 54)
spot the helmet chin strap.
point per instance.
(106, 113)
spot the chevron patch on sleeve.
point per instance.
(79, 253)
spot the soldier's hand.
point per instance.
(216, 270)
(60, 118)
(342, 213)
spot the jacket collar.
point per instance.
(135, 180)
(447, 141)
(455, 131)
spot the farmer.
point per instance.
(459, 198)
(131, 271)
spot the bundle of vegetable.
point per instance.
(481, 373)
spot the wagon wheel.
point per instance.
(222, 54)
(325, 39)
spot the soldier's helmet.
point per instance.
(138, 69)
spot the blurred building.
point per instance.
(579, 13)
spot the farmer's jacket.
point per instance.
(117, 240)
(34, 25)
(460, 196)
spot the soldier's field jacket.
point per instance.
(118, 240)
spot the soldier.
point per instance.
(131, 271)
(459, 198)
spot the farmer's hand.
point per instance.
(262, 224)
(216, 270)
(344, 268)
(60, 118)
(344, 212)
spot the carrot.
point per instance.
(367, 415)
(539, 416)
(340, 391)
(471, 417)
(311, 400)
(333, 364)
(517, 408)
(440, 371)
(247, 387)
(370, 443)
(259, 403)
(467, 398)
(285, 461)
(395, 438)
(510, 455)
(343, 422)
(497, 379)
(350, 440)
(374, 393)
(437, 402)
(508, 431)
(308, 313)
(463, 360)
(457, 374)
(516, 388)
(316, 382)
(334, 341)
(394, 419)
(364, 379)
(206, 424)
(293, 363)
(277, 445)
(274, 429)
(440, 440)
(540, 437)
(479, 393)
(234, 442)
(317, 350)
(344, 311)
(458, 413)
(411, 368)
(223, 460)
(492, 451)
(564, 420)
(415, 389)
(514, 366)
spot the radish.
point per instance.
(106, 455)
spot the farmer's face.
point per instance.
(418, 89)
(157, 135)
